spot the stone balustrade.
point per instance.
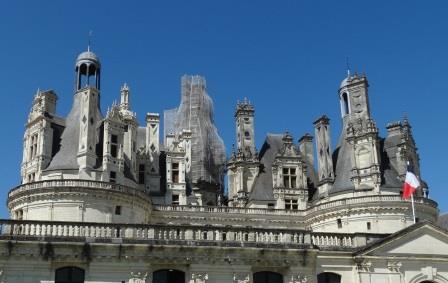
(347, 202)
(73, 183)
(316, 208)
(189, 235)
(227, 210)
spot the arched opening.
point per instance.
(267, 277)
(328, 277)
(69, 274)
(168, 276)
(345, 105)
(87, 75)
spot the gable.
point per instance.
(427, 240)
(424, 245)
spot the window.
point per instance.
(271, 205)
(33, 146)
(267, 277)
(369, 226)
(69, 275)
(289, 177)
(291, 204)
(175, 199)
(112, 176)
(175, 173)
(345, 105)
(118, 210)
(328, 277)
(19, 214)
(168, 276)
(339, 221)
(113, 145)
(141, 174)
(31, 177)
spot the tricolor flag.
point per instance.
(410, 184)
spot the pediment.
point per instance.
(424, 240)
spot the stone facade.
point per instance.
(103, 200)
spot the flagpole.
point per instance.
(413, 208)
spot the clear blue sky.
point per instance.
(288, 57)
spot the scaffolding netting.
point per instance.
(195, 113)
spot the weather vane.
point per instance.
(90, 39)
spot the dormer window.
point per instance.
(291, 204)
(175, 173)
(113, 145)
(289, 177)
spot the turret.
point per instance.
(360, 133)
(245, 133)
(243, 165)
(41, 129)
(87, 69)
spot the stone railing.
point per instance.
(347, 202)
(73, 183)
(316, 208)
(188, 235)
(228, 210)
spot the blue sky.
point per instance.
(288, 57)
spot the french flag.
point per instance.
(411, 183)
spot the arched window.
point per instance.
(328, 277)
(267, 277)
(69, 274)
(345, 105)
(168, 276)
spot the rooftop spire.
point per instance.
(90, 39)
(348, 66)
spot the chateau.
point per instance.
(105, 199)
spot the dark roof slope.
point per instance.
(262, 190)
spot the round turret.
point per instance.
(87, 70)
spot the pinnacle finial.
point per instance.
(348, 66)
(90, 40)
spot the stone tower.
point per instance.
(360, 132)
(245, 135)
(41, 128)
(87, 97)
(243, 165)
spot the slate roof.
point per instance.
(443, 221)
(343, 164)
(262, 190)
(65, 158)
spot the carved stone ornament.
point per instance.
(430, 272)
(138, 277)
(394, 266)
(241, 278)
(364, 265)
(199, 277)
(299, 278)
